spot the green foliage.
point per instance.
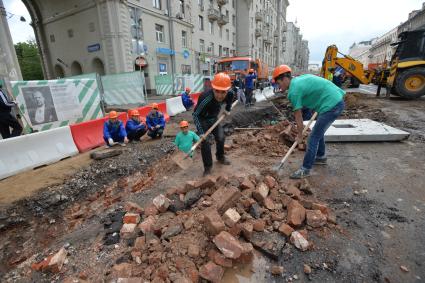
(29, 60)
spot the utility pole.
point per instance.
(9, 65)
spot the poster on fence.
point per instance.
(164, 85)
(56, 103)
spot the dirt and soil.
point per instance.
(375, 190)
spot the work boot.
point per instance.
(300, 174)
(207, 171)
(320, 161)
(223, 160)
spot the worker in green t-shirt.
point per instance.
(319, 95)
(185, 139)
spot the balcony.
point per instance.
(222, 2)
(213, 14)
(257, 32)
(223, 20)
(258, 16)
(267, 38)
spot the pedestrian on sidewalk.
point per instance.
(317, 94)
(249, 86)
(135, 128)
(206, 114)
(155, 122)
(114, 131)
(7, 120)
(185, 138)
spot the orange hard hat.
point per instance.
(187, 89)
(251, 71)
(184, 124)
(279, 70)
(113, 114)
(134, 112)
(154, 106)
(221, 81)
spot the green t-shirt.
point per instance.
(314, 92)
(185, 141)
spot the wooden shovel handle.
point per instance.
(205, 135)
(296, 142)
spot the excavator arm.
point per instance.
(349, 64)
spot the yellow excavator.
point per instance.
(405, 76)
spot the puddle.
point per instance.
(256, 271)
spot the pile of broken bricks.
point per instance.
(199, 230)
(272, 141)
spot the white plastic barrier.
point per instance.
(266, 93)
(175, 106)
(27, 152)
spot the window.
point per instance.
(220, 50)
(70, 33)
(233, 3)
(202, 46)
(211, 48)
(181, 7)
(234, 37)
(157, 4)
(201, 22)
(200, 2)
(227, 13)
(227, 34)
(184, 38)
(234, 20)
(52, 38)
(226, 52)
(162, 68)
(186, 69)
(159, 30)
(211, 27)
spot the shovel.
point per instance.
(280, 165)
(182, 159)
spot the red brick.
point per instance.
(222, 260)
(323, 208)
(133, 207)
(193, 250)
(207, 182)
(247, 230)
(277, 270)
(147, 225)
(131, 218)
(213, 222)
(190, 185)
(270, 181)
(315, 218)
(231, 217)
(228, 245)
(296, 213)
(285, 229)
(293, 191)
(212, 253)
(171, 191)
(269, 204)
(261, 192)
(259, 225)
(139, 243)
(122, 270)
(247, 185)
(225, 198)
(247, 253)
(235, 230)
(151, 210)
(57, 261)
(285, 200)
(161, 203)
(211, 272)
(278, 216)
(128, 231)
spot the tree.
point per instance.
(29, 60)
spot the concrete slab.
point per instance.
(362, 130)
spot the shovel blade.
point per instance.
(182, 160)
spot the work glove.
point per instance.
(157, 126)
(111, 141)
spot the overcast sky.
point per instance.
(322, 23)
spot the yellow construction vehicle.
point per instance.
(406, 75)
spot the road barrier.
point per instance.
(195, 97)
(163, 108)
(89, 135)
(30, 151)
(175, 106)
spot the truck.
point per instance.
(240, 65)
(403, 76)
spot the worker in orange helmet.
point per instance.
(114, 131)
(186, 99)
(317, 94)
(205, 115)
(155, 121)
(249, 86)
(134, 127)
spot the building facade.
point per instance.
(296, 53)
(416, 20)
(381, 49)
(361, 51)
(159, 36)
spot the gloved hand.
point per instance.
(111, 141)
(227, 113)
(157, 126)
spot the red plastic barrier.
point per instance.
(195, 97)
(144, 111)
(163, 108)
(88, 135)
